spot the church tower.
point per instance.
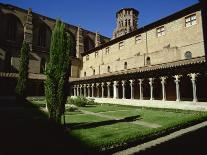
(126, 22)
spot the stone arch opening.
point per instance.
(88, 43)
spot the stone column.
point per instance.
(163, 81)
(108, 89)
(92, 89)
(102, 89)
(193, 80)
(81, 93)
(123, 89)
(97, 88)
(141, 89)
(132, 88)
(116, 92)
(151, 81)
(84, 87)
(89, 90)
(74, 90)
(77, 90)
(177, 86)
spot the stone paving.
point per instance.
(158, 141)
(138, 122)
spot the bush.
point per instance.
(70, 108)
(80, 101)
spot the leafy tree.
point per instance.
(23, 70)
(57, 72)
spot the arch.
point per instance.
(41, 34)
(188, 55)
(88, 43)
(148, 61)
(12, 28)
(73, 42)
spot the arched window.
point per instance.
(84, 73)
(94, 71)
(42, 65)
(188, 55)
(42, 37)
(125, 65)
(11, 30)
(148, 61)
(108, 69)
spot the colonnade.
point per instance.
(87, 90)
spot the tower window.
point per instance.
(160, 31)
(138, 39)
(190, 20)
(148, 61)
(94, 71)
(84, 73)
(108, 69)
(121, 45)
(125, 65)
(107, 50)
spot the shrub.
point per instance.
(80, 101)
(70, 108)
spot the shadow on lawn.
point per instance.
(102, 123)
(26, 130)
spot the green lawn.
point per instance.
(102, 133)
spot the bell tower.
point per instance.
(126, 22)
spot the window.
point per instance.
(108, 69)
(96, 54)
(160, 31)
(42, 37)
(188, 55)
(190, 20)
(87, 57)
(138, 39)
(148, 61)
(94, 71)
(125, 65)
(121, 45)
(107, 50)
(11, 30)
(84, 73)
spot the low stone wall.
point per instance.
(184, 105)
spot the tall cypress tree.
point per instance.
(23, 71)
(57, 72)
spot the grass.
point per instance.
(101, 133)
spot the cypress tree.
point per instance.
(57, 72)
(23, 71)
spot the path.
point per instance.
(138, 122)
(142, 147)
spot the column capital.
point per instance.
(108, 83)
(84, 85)
(123, 82)
(88, 85)
(163, 79)
(131, 82)
(115, 83)
(74, 86)
(151, 81)
(177, 78)
(102, 84)
(193, 76)
(92, 85)
(140, 81)
(97, 84)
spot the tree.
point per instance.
(57, 72)
(23, 71)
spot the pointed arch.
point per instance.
(88, 43)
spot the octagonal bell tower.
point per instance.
(126, 21)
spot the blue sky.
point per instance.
(99, 15)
